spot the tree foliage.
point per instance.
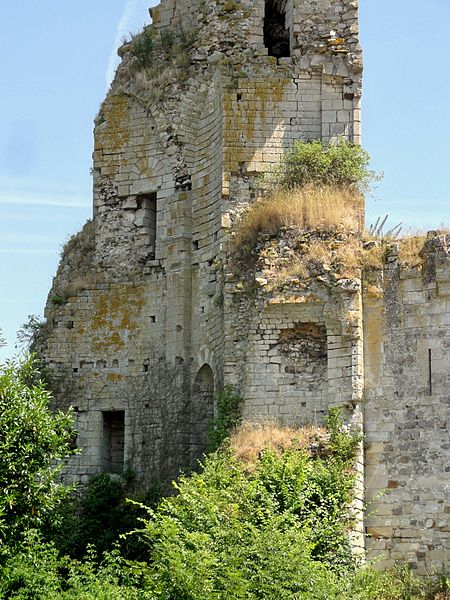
(33, 443)
(274, 529)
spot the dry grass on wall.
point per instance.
(410, 247)
(250, 439)
(306, 208)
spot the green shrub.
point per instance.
(33, 443)
(275, 528)
(37, 572)
(99, 518)
(315, 163)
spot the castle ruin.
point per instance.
(146, 321)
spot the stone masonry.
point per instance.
(145, 320)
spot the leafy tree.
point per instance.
(34, 441)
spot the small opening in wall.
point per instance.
(239, 97)
(430, 373)
(113, 441)
(147, 207)
(152, 319)
(75, 369)
(276, 34)
(145, 368)
(195, 245)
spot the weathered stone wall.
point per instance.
(407, 409)
(145, 320)
(301, 356)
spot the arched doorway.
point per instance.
(201, 412)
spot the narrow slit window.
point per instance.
(276, 32)
(430, 373)
(113, 441)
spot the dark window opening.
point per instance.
(147, 203)
(113, 441)
(276, 35)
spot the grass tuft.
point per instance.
(250, 439)
(307, 208)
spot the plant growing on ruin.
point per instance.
(342, 165)
(28, 336)
(142, 48)
(228, 417)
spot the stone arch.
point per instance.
(201, 412)
(276, 28)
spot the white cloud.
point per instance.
(44, 199)
(135, 14)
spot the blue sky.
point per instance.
(57, 59)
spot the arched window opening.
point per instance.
(201, 413)
(276, 34)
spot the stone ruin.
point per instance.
(146, 320)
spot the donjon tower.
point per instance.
(146, 321)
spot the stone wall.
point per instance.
(407, 410)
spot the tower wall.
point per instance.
(407, 409)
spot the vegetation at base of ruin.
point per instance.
(268, 525)
(265, 517)
(33, 443)
(341, 165)
(229, 405)
(97, 517)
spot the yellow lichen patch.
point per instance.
(115, 133)
(114, 377)
(115, 316)
(242, 119)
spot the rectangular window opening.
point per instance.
(148, 204)
(113, 441)
(276, 32)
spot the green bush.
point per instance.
(34, 442)
(37, 572)
(315, 163)
(99, 518)
(273, 529)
